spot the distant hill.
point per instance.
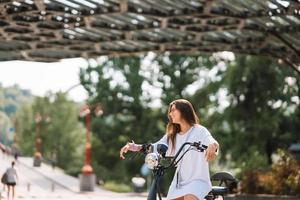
(12, 97)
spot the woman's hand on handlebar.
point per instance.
(211, 151)
(130, 146)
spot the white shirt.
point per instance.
(11, 173)
(193, 169)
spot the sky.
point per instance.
(40, 77)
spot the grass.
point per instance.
(117, 187)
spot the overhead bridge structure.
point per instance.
(50, 30)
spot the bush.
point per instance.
(282, 179)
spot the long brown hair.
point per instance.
(187, 113)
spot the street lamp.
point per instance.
(38, 140)
(14, 145)
(87, 178)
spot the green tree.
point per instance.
(62, 135)
(11, 98)
(124, 116)
(261, 112)
(6, 135)
(131, 110)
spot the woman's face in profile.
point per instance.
(175, 114)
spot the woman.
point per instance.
(11, 179)
(191, 180)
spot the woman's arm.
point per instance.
(130, 146)
(212, 151)
(163, 140)
(212, 145)
(17, 178)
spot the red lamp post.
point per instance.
(86, 183)
(38, 140)
(86, 113)
(14, 145)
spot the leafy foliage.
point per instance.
(5, 133)
(62, 135)
(282, 179)
(12, 97)
(251, 100)
(261, 113)
(131, 111)
(10, 100)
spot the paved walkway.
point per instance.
(45, 183)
